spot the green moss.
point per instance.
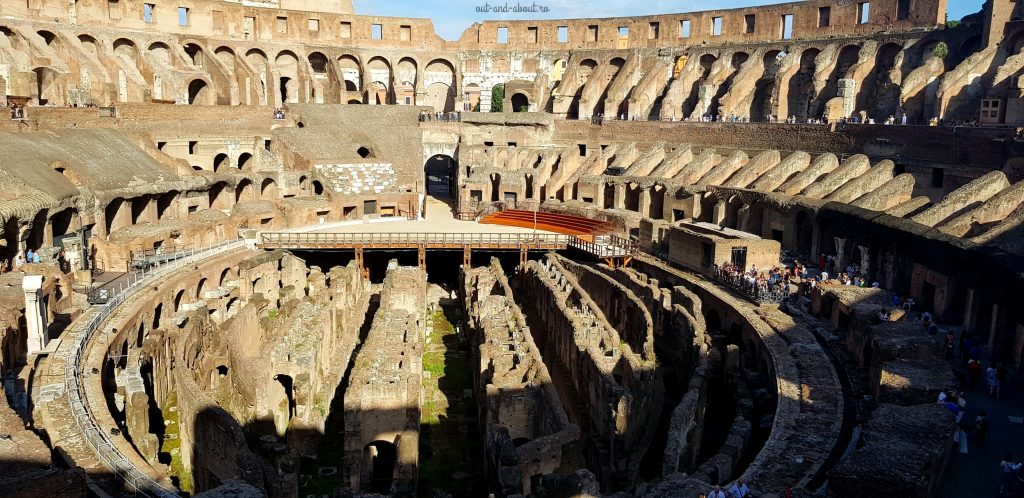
(170, 446)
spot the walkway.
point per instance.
(977, 472)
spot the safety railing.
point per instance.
(765, 293)
(315, 240)
(605, 246)
(95, 436)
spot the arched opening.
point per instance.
(762, 106)
(520, 103)
(200, 289)
(243, 160)
(268, 189)
(318, 188)
(195, 54)
(881, 95)
(140, 208)
(199, 93)
(380, 457)
(219, 161)
(10, 248)
(47, 36)
(114, 214)
(318, 62)
(244, 191)
(46, 90)
(164, 205)
(179, 297)
(440, 175)
(288, 385)
(801, 87)
(440, 97)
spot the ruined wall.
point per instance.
(518, 401)
(382, 404)
(613, 396)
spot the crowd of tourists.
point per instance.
(20, 260)
(773, 285)
(444, 117)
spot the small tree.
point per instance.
(497, 97)
(941, 50)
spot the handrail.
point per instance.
(97, 439)
(282, 240)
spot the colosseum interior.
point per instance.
(275, 248)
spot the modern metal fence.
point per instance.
(95, 436)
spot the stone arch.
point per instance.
(226, 55)
(196, 54)
(520, 102)
(318, 188)
(441, 97)
(763, 105)
(440, 175)
(243, 160)
(380, 77)
(165, 203)
(557, 70)
(318, 61)
(200, 92)
(220, 161)
(47, 90)
(89, 43)
(268, 188)
(218, 196)
(116, 214)
(244, 190)
(52, 40)
(160, 52)
(287, 66)
(351, 74)
(881, 93)
(471, 96)
(200, 288)
(801, 93)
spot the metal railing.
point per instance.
(314, 240)
(605, 246)
(94, 435)
(765, 294)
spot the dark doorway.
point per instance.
(381, 456)
(440, 173)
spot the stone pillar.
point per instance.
(992, 327)
(620, 196)
(35, 313)
(718, 213)
(840, 254)
(644, 205)
(969, 309)
(743, 221)
(865, 260)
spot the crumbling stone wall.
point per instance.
(608, 383)
(527, 430)
(382, 403)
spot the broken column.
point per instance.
(35, 313)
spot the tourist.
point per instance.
(717, 492)
(1009, 470)
(990, 375)
(36, 258)
(19, 260)
(948, 348)
(739, 489)
(980, 429)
